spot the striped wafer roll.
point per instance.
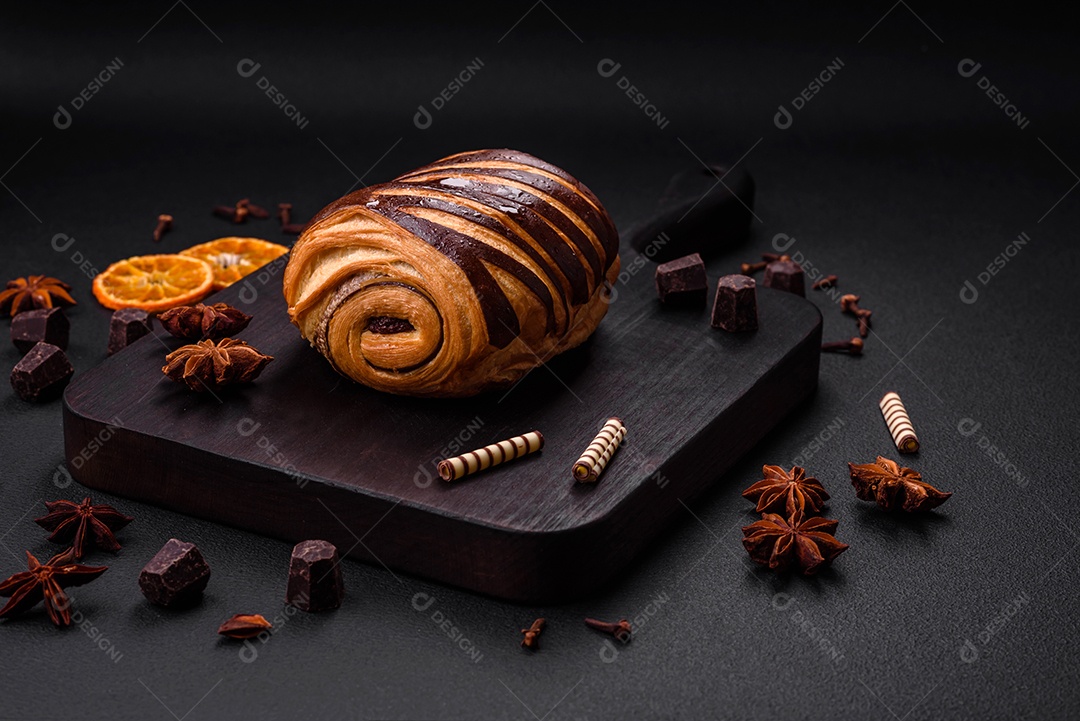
(457, 467)
(896, 417)
(592, 462)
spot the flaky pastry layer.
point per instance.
(456, 277)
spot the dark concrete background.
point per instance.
(901, 176)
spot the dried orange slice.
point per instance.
(233, 258)
(154, 282)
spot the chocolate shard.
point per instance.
(735, 308)
(315, 581)
(682, 281)
(127, 326)
(176, 574)
(697, 214)
(48, 325)
(785, 275)
(42, 373)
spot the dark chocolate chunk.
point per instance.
(176, 574)
(48, 325)
(682, 281)
(315, 582)
(735, 309)
(785, 275)
(697, 214)
(127, 326)
(42, 373)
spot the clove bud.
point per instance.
(532, 634)
(237, 213)
(284, 213)
(620, 630)
(164, 225)
(850, 304)
(853, 346)
(256, 211)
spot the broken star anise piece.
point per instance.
(786, 491)
(46, 582)
(35, 291)
(244, 625)
(893, 487)
(195, 322)
(70, 522)
(209, 366)
(803, 544)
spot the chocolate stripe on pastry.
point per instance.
(456, 277)
(568, 196)
(503, 159)
(539, 228)
(496, 194)
(510, 157)
(572, 198)
(495, 226)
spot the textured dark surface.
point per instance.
(704, 209)
(901, 176)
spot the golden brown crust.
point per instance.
(459, 276)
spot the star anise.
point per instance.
(245, 625)
(195, 322)
(35, 291)
(781, 544)
(46, 582)
(209, 366)
(788, 491)
(69, 523)
(893, 487)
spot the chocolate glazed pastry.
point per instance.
(454, 278)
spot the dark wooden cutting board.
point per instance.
(304, 453)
